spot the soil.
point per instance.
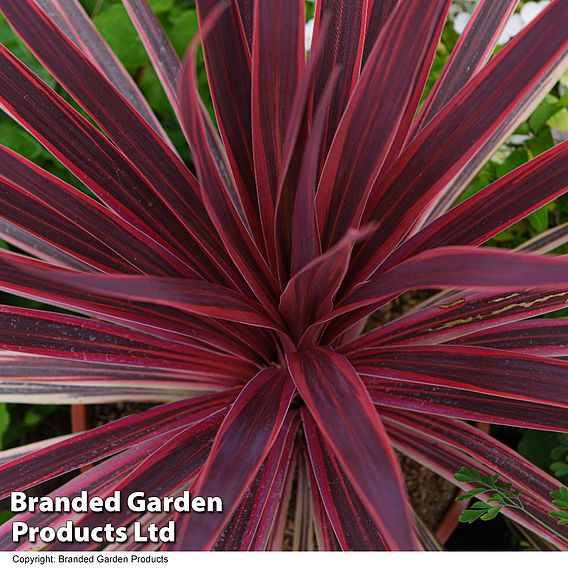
(430, 494)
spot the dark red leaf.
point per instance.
(106, 440)
(71, 18)
(465, 405)
(467, 129)
(340, 405)
(476, 369)
(353, 526)
(158, 46)
(544, 337)
(344, 37)
(255, 508)
(278, 60)
(446, 445)
(377, 109)
(18, 274)
(55, 211)
(243, 442)
(228, 64)
(174, 192)
(495, 207)
(472, 51)
(218, 192)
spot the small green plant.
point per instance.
(500, 494)
(560, 456)
(560, 500)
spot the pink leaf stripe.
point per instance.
(305, 242)
(278, 60)
(324, 532)
(279, 493)
(495, 207)
(460, 267)
(220, 198)
(18, 274)
(158, 46)
(299, 171)
(237, 294)
(376, 110)
(194, 296)
(45, 369)
(98, 481)
(246, 13)
(470, 126)
(344, 21)
(37, 247)
(54, 209)
(472, 51)
(340, 405)
(378, 14)
(68, 337)
(545, 337)
(476, 369)
(228, 64)
(351, 522)
(547, 241)
(107, 440)
(93, 159)
(465, 405)
(241, 531)
(462, 314)
(71, 19)
(256, 416)
(168, 469)
(178, 195)
(311, 291)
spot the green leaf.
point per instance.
(561, 493)
(560, 469)
(538, 219)
(154, 92)
(540, 143)
(184, 27)
(466, 475)
(470, 494)
(559, 121)
(161, 6)
(558, 452)
(32, 418)
(516, 159)
(480, 505)
(536, 446)
(115, 26)
(4, 421)
(19, 140)
(547, 108)
(491, 513)
(498, 498)
(5, 516)
(490, 479)
(470, 516)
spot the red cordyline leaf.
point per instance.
(71, 18)
(236, 295)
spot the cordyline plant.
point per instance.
(237, 296)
